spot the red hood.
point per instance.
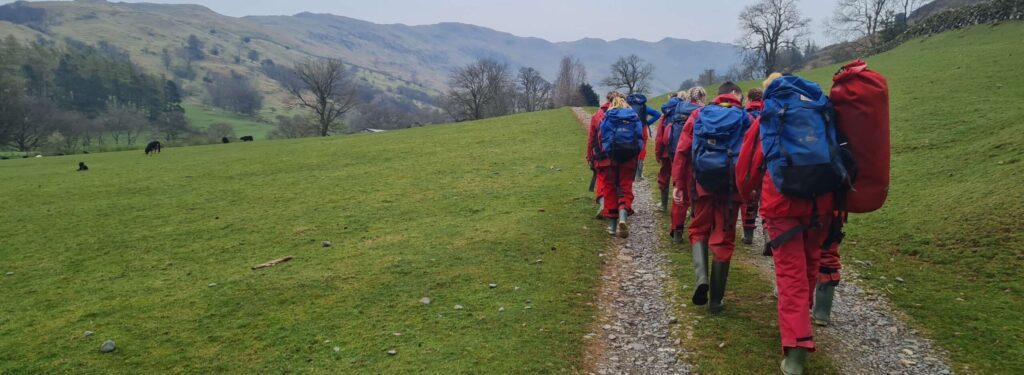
(728, 99)
(605, 106)
(756, 105)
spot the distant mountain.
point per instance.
(392, 57)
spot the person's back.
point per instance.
(621, 138)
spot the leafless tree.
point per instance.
(861, 18)
(324, 87)
(768, 26)
(908, 6)
(31, 120)
(708, 77)
(631, 73)
(571, 75)
(480, 90)
(535, 90)
(124, 122)
(297, 126)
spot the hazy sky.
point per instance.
(554, 20)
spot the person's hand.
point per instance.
(677, 195)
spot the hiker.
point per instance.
(797, 212)
(621, 137)
(681, 168)
(755, 104)
(594, 148)
(711, 139)
(648, 116)
(662, 155)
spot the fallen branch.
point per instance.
(272, 263)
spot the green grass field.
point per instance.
(202, 117)
(129, 250)
(952, 227)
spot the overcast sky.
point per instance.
(554, 20)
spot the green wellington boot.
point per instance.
(793, 363)
(700, 269)
(600, 209)
(623, 229)
(612, 224)
(719, 276)
(677, 236)
(821, 314)
(748, 236)
(663, 206)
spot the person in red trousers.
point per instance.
(662, 155)
(618, 173)
(796, 258)
(594, 147)
(755, 104)
(714, 213)
(681, 172)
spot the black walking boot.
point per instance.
(748, 236)
(663, 206)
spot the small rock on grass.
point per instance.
(425, 300)
(9, 274)
(337, 349)
(492, 286)
(501, 309)
(88, 334)
(458, 307)
(900, 279)
(392, 352)
(108, 346)
(211, 285)
(326, 243)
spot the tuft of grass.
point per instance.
(129, 250)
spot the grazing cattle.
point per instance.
(82, 167)
(247, 138)
(153, 147)
(225, 140)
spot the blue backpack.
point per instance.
(798, 136)
(622, 134)
(680, 115)
(639, 104)
(717, 139)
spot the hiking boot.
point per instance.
(700, 269)
(600, 209)
(612, 224)
(639, 171)
(748, 236)
(663, 206)
(719, 276)
(677, 236)
(623, 229)
(793, 363)
(821, 314)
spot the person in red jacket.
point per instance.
(796, 260)
(618, 176)
(661, 142)
(755, 104)
(594, 147)
(714, 214)
(679, 176)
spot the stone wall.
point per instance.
(990, 12)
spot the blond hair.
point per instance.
(683, 95)
(698, 94)
(771, 78)
(618, 102)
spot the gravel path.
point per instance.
(634, 334)
(866, 336)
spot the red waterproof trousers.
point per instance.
(749, 212)
(796, 273)
(714, 221)
(665, 175)
(618, 187)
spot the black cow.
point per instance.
(225, 140)
(153, 147)
(247, 138)
(82, 167)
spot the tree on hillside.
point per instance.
(173, 125)
(708, 77)
(233, 92)
(631, 73)
(297, 126)
(325, 88)
(166, 59)
(571, 74)
(219, 130)
(768, 26)
(480, 90)
(861, 18)
(193, 50)
(590, 98)
(687, 84)
(535, 91)
(124, 123)
(30, 122)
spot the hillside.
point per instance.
(950, 228)
(390, 56)
(155, 253)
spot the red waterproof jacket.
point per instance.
(751, 174)
(593, 136)
(755, 106)
(661, 141)
(682, 177)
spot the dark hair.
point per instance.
(755, 94)
(728, 87)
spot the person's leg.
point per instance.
(700, 229)
(825, 287)
(664, 175)
(626, 172)
(599, 193)
(794, 292)
(611, 199)
(678, 220)
(722, 241)
(749, 222)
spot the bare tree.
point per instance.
(297, 126)
(571, 75)
(479, 90)
(324, 87)
(768, 26)
(861, 18)
(631, 73)
(31, 121)
(123, 122)
(908, 6)
(535, 91)
(708, 77)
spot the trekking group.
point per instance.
(786, 152)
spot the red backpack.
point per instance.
(860, 97)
